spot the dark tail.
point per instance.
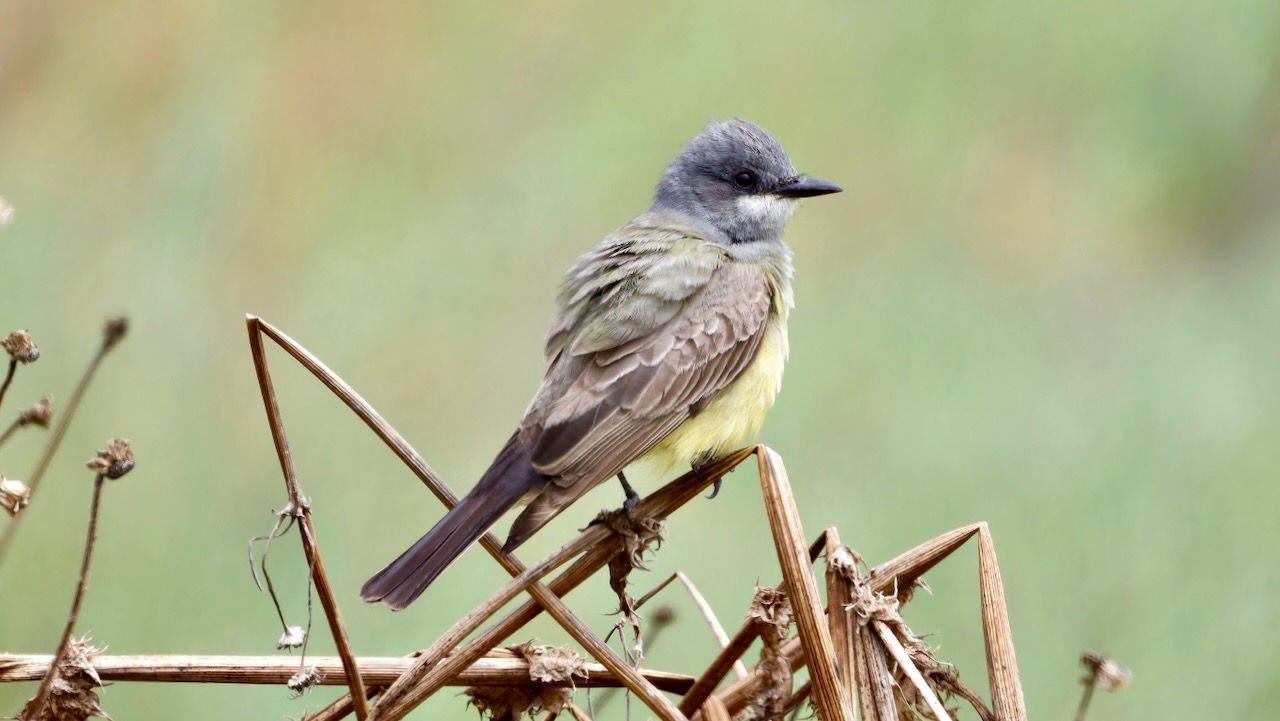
(506, 481)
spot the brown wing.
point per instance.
(628, 398)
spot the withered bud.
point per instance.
(20, 346)
(304, 679)
(293, 637)
(38, 414)
(113, 331)
(1108, 674)
(14, 495)
(6, 212)
(115, 461)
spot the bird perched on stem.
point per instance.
(668, 346)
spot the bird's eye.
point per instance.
(745, 179)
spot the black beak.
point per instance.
(802, 186)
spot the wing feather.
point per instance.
(629, 397)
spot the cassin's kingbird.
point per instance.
(668, 346)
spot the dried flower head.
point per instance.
(550, 664)
(20, 346)
(72, 694)
(14, 495)
(113, 331)
(115, 461)
(38, 414)
(304, 679)
(1108, 674)
(293, 637)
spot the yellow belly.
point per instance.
(734, 414)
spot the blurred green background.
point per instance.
(1048, 299)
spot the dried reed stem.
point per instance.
(37, 702)
(839, 618)
(875, 682)
(1002, 666)
(497, 668)
(788, 536)
(310, 542)
(901, 572)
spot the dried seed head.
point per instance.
(113, 331)
(20, 346)
(1108, 674)
(550, 664)
(14, 495)
(304, 679)
(6, 212)
(38, 414)
(71, 694)
(293, 637)
(115, 461)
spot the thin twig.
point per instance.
(498, 667)
(8, 378)
(310, 543)
(37, 701)
(9, 431)
(112, 333)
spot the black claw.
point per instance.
(715, 488)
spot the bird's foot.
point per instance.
(633, 498)
(715, 485)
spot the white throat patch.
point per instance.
(767, 210)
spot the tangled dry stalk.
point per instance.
(853, 646)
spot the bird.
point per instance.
(668, 347)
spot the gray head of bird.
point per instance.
(735, 183)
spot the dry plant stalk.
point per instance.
(831, 698)
(497, 667)
(301, 509)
